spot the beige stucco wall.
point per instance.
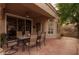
(43, 23)
(55, 33)
(2, 21)
(45, 27)
(33, 25)
(2, 26)
(55, 21)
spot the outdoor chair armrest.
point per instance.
(12, 41)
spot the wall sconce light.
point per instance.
(33, 26)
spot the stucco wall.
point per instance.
(2, 21)
(2, 26)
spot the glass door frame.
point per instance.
(21, 17)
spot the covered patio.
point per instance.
(28, 20)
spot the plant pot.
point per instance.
(1, 51)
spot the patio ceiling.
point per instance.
(27, 10)
(37, 9)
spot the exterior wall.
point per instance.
(2, 25)
(55, 33)
(38, 20)
(53, 13)
(2, 20)
(34, 24)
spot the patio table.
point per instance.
(23, 40)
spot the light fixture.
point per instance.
(27, 16)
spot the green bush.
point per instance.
(2, 39)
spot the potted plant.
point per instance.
(1, 49)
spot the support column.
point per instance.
(45, 26)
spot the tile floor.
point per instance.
(63, 46)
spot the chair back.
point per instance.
(44, 35)
(33, 37)
(44, 38)
(27, 33)
(19, 34)
(38, 37)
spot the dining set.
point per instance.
(26, 42)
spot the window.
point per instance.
(50, 27)
(21, 24)
(11, 22)
(18, 24)
(28, 25)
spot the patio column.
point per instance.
(55, 29)
(2, 21)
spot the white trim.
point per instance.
(5, 24)
(32, 23)
(17, 16)
(17, 24)
(9, 14)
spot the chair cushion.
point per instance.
(32, 43)
(12, 43)
(27, 44)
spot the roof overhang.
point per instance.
(34, 9)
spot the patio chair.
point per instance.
(44, 38)
(2, 40)
(38, 41)
(31, 42)
(27, 33)
(11, 45)
(33, 39)
(19, 33)
(27, 44)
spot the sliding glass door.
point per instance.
(18, 24)
(28, 25)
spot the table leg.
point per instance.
(23, 46)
